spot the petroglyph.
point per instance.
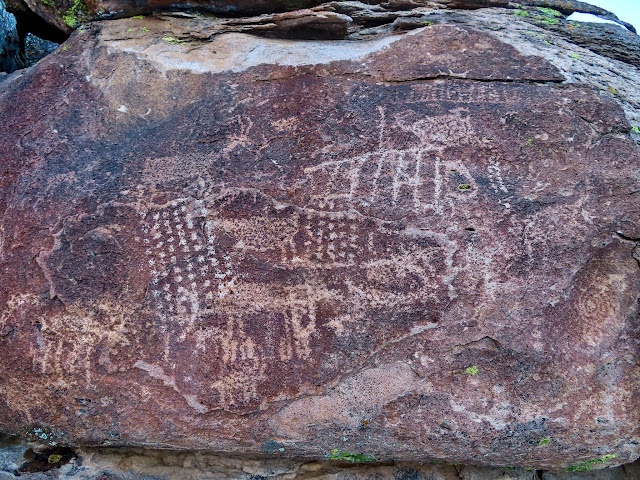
(192, 267)
(68, 347)
(494, 174)
(409, 177)
(189, 269)
(336, 261)
(156, 372)
(204, 259)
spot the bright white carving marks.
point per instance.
(188, 267)
(392, 174)
(497, 182)
(312, 238)
(300, 321)
(66, 345)
(371, 179)
(437, 187)
(237, 348)
(323, 275)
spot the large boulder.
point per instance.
(421, 244)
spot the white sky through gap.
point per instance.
(627, 10)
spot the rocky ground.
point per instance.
(35, 462)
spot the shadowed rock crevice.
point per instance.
(11, 57)
(45, 459)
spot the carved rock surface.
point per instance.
(421, 245)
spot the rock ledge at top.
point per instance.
(63, 16)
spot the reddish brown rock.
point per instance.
(63, 16)
(255, 245)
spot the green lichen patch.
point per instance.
(173, 40)
(550, 21)
(544, 441)
(464, 186)
(48, 3)
(635, 128)
(55, 458)
(349, 457)
(472, 370)
(589, 464)
(521, 13)
(548, 16)
(74, 16)
(550, 12)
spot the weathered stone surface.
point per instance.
(66, 15)
(609, 40)
(10, 58)
(579, 64)
(30, 461)
(566, 7)
(244, 244)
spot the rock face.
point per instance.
(29, 461)
(10, 59)
(36, 49)
(66, 15)
(418, 245)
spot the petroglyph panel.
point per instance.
(299, 255)
(392, 182)
(206, 262)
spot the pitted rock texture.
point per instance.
(241, 244)
(30, 461)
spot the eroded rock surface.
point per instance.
(31, 461)
(219, 241)
(65, 15)
(10, 58)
